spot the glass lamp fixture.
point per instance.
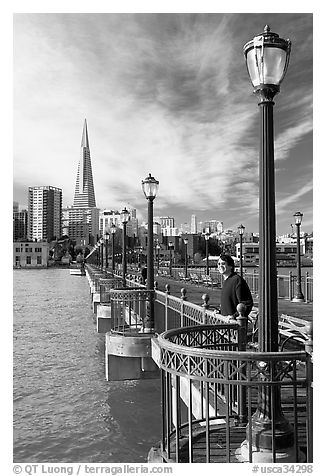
(150, 187)
(124, 215)
(185, 240)
(113, 229)
(267, 58)
(241, 229)
(298, 218)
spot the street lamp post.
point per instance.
(299, 296)
(106, 249)
(207, 262)
(140, 257)
(185, 240)
(101, 253)
(150, 187)
(124, 216)
(113, 232)
(241, 229)
(170, 263)
(267, 58)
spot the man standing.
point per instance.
(235, 289)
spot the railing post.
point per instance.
(183, 298)
(167, 292)
(242, 346)
(205, 306)
(309, 350)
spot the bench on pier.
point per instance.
(289, 327)
(164, 272)
(209, 281)
(293, 328)
(195, 279)
(182, 276)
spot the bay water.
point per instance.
(63, 408)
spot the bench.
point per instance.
(293, 328)
(195, 278)
(164, 272)
(289, 327)
(208, 281)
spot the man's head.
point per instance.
(225, 264)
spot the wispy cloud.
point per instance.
(165, 94)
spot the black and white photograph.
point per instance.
(163, 243)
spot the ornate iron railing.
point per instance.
(128, 309)
(106, 284)
(210, 391)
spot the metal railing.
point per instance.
(128, 309)
(209, 395)
(285, 282)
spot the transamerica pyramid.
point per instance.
(84, 190)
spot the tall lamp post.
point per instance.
(299, 296)
(206, 243)
(150, 187)
(170, 263)
(102, 253)
(241, 229)
(185, 240)
(140, 257)
(267, 58)
(113, 230)
(124, 216)
(106, 249)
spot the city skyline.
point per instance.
(166, 94)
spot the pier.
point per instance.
(213, 378)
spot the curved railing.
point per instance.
(210, 393)
(128, 309)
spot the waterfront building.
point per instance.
(285, 253)
(82, 219)
(20, 220)
(29, 254)
(44, 213)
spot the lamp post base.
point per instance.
(298, 298)
(148, 330)
(262, 455)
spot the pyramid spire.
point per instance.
(84, 189)
(84, 141)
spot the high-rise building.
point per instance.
(44, 213)
(20, 225)
(84, 189)
(165, 221)
(82, 219)
(193, 227)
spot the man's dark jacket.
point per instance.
(235, 290)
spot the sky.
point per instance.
(166, 94)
